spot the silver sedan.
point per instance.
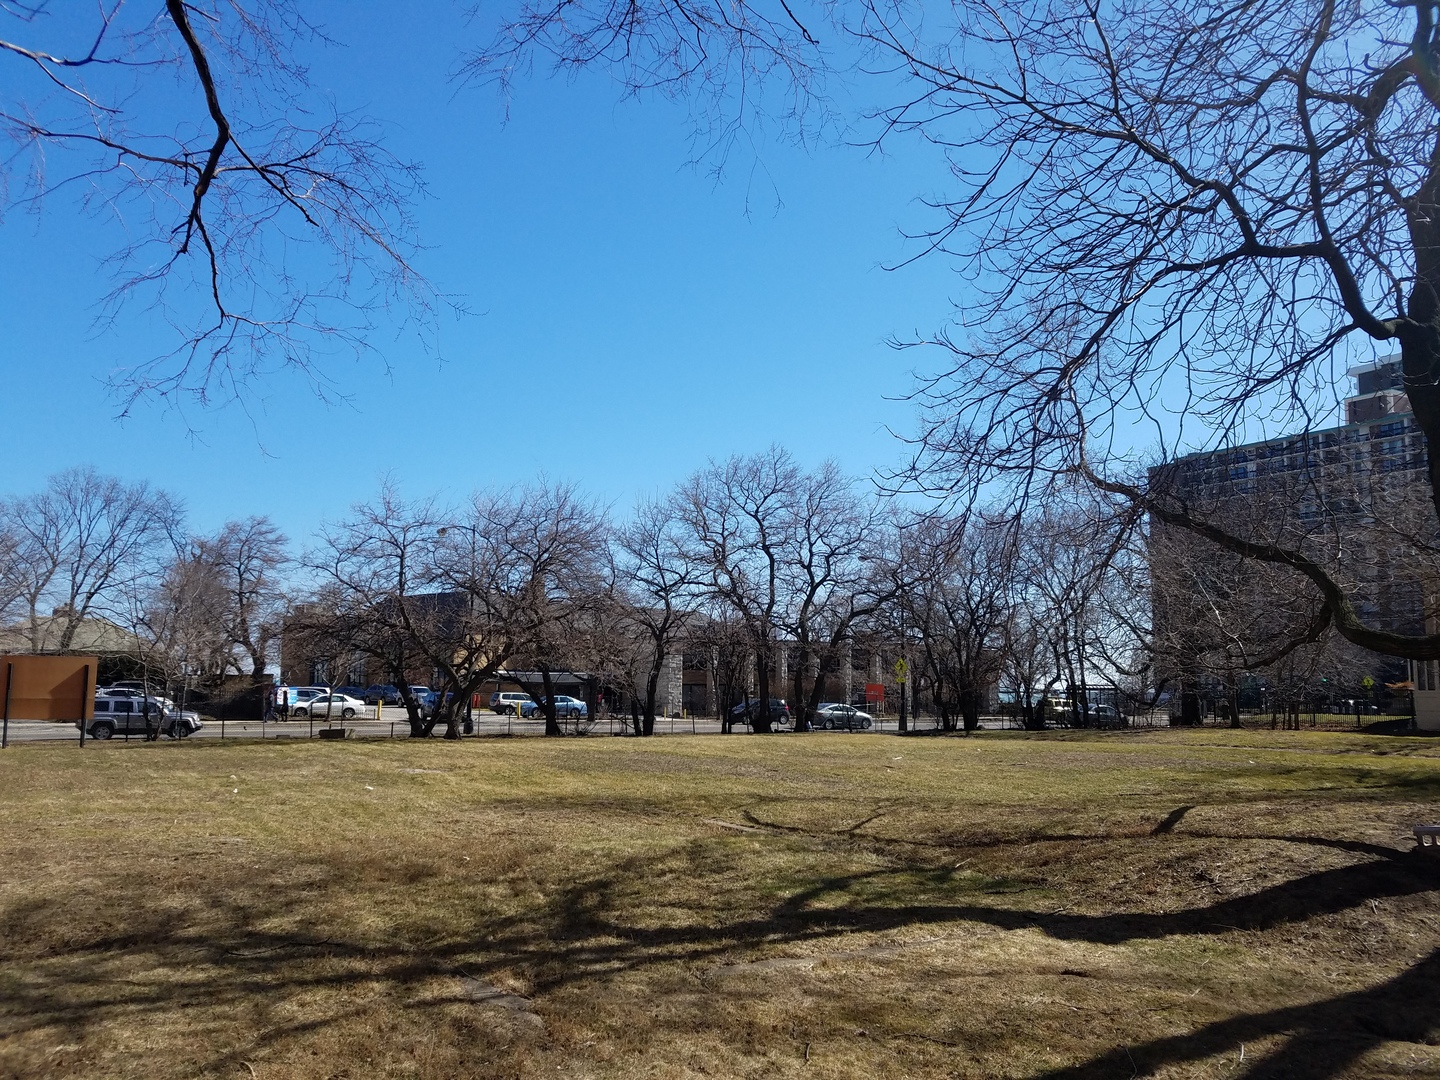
(831, 715)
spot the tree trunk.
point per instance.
(1420, 334)
(1035, 716)
(760, 722)
(970, 709)
(800, 702)
(1189, 705)
(552, 725)
(592, 700)
(817, 693)
(652, 688)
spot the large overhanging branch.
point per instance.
(1336, 607)
(1321, 622)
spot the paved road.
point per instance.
(393, 722)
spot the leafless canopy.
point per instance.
(79, 549)
(264, 227)
(741, 65)
(1176, 219)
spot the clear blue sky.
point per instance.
(634, 317)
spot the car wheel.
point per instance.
(347, 713)
(298, 712)
(101, 732)
(828, 725)
(865, 724)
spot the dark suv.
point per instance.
(382, 694)
(748, 711)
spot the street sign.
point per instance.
(1368, 683)
(902, 669)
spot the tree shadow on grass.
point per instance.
(227, 957)
(585, 938)
(1322, 1040)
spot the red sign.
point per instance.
(874, 693)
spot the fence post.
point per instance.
(84, 697)
(5, 730)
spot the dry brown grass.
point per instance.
(1201, 904)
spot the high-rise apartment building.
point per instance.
(1355, 496)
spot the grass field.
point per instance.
(1186, 904)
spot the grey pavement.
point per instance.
(393, 723)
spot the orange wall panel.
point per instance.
(49, 687)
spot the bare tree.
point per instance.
(79, 546)
(660, 581)
(1176, 221)
(176, 621)
(12, 575)
(741, 523)
(549, 581)
(268, 228)
(1185, 213)
(375, 595)
(420, 588)
(741, 65)
(723, 645)
(960, 605)
(248, 559)
(832, 576)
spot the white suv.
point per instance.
(507, 702)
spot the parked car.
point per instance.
(747, 711)
(569, 706)
(140, 689)
(119, 715)
(126, 693)
(1104, 716)
(351, 691)
(419, 693)
(340, 705)
(121, 692)
(506, 701)
(830, 715)
(382, 694)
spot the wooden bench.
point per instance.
(1428, 836)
